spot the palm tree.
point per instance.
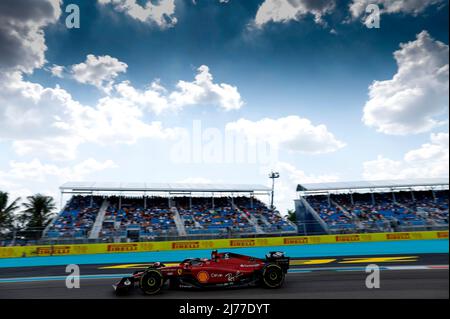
(38, 211)
(7, 211)
(291, 215)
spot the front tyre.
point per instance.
(151, 281)
(272, 276)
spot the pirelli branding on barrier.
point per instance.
(186, 245)
(60, 250)
(295, 240)
(242, 243)
(347, 238)
(53, 250)
(442, 234)
(353, 238)
(410, 236)
(400, 236)
(122, 247)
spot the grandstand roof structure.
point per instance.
(95, 187)
(373, 185)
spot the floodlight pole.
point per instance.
(273, 175)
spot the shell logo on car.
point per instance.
(203, 277)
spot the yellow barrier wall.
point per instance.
(60, 250)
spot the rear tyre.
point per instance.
(151, 281)
(272, 276)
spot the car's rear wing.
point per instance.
(278, 257)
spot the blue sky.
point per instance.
(303, 66)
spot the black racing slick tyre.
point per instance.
(151, 282)
(272, 276)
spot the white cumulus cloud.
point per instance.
(29, 109)
(158, 99)
(412, 7)
(57, 70)
(161, 13)
(281, 11)
(204, 91)
(22, 41)
(292, 133)
(430, 160)
(99, 71)
(49, 121)
(417, 96)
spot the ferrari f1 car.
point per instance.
(222, 270)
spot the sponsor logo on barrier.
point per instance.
(347, 238)
(122, 247)
(398, 236)
(296, 240)
(442, 234)
(186, 245)
(50, 250)
(242, 243)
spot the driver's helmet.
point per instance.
(214, 255)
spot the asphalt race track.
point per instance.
(405, 276)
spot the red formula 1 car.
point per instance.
(222, 270)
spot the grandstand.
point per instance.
(381, 206)
(138, 212)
